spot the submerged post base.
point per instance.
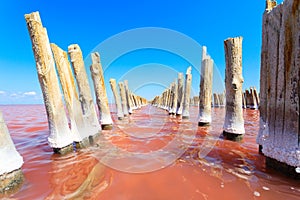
(233, 136)
(106, 126)
(11, 182)
(260, 147)
(283, 168)
(82, 144)
(203, 123)
(63, 150)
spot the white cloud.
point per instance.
(32, 93)
(13, 95)
(2, 92)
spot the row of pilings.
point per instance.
(279, 135)
(79, 124)
(174, 98)
(80, 106)
(250, 99)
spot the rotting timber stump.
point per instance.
(234, 122)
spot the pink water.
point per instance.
(210, 168)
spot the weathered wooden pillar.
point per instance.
(60, 138)
(256, 95)
(234, 121)
(123, 99)
(180, 96)
(216, 100)
(187, 94)
(134, 101)
(129, 102)
(196, 100)
(192, 101)
(113, 85)
(174, 99)
(249, 100)
(205, 92)
(255, 105)
(244, 103)
(100, 91)
(85, 95)
(11, 176)
(279, 87)
(80, 130)
(222, 99)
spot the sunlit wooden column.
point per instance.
(279, 134)
(129, 101)
(174, 99)
(205, 92)
(11, 176)
(113, 85)
(79, 128)
(123, 99)
(100, 92)
(187, 94)
(60, 138)
(85, 95)
(180, 92)
(234, 121)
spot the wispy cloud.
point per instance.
(32, 93)
(2, 92)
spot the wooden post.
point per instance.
(180, 95)
(80, 130)
(11, 176)
(187, 94)
(129, 101)
(205, 92)
(85, 95)
(216, 100)
(234, 121)
(100, 91)
(256, 96)
(249, 100)
(123, 99)
(60, 138)
(279, 87)
(244, 103)
(254, 99)
(174, 99)
(222, 99)
(113, 85)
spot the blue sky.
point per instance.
(89, 23)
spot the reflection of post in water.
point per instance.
(77, 177)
